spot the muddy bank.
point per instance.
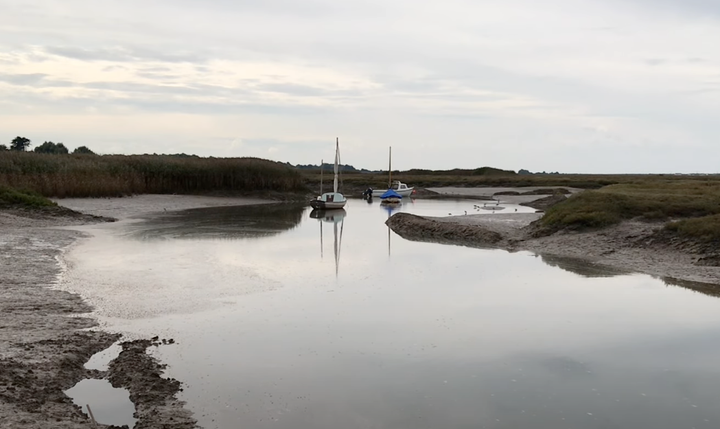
(156, 404)
(42, 348)
(631, 246)
(47, 335)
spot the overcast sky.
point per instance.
(598, 86)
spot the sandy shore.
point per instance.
(46, 334)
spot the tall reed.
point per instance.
(113, 175)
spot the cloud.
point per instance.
(531, 79)
(125, 54)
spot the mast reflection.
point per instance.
(335, 217)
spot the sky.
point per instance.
(575, 86)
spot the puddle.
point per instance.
(110, 406)
(101, 360)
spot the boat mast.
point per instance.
(337, 161)
(321, 170)
(390, 168)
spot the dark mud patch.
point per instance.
(154, 396)
(545, 203)
(418, 228)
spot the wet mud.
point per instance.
(632, 246)
(43, 344)
(47, 335)
(156, 405)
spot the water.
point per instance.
(287, 321)
(109, 405)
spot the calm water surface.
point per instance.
(283, 320)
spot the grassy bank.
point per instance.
(704, 229)
(114, 175)
(653, 200)
(13, 198)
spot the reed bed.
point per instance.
(116, 175)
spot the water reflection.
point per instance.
(441, 336)
(579, 266)
(703, 288)
(231, 222)
(591, 270)
(107, 404)
(334, 217)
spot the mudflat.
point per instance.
(630, 246)
(47, 335)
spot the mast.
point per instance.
(390, 168)
(337, 162)
(321, 171)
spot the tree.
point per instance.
(20, 143)
(53, 148)
(83, 150)
(3, 147)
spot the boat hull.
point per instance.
(400, 188)
(403, 193)
(327, 205)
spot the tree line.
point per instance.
(22, 144)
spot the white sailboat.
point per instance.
(400, 188)
(331, 200)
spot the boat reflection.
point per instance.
(335, 217)
(390, 208)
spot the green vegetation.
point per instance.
(79, 175)
(704, 229)
(653, 198)
(20, 144)
(465, 178)
(54, 148)
(14, 197)
(83, 150)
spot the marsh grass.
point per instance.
(14, 197)
(478, 178)
(705, 229)
(115, 175)
(652, 200)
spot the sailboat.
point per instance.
(397, 186)
(331, 200)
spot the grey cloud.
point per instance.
(699, 8)
(158, 69)
(292, 89)
(655, 61)
(150, 103)
(124, 54)
(154, 75)
(27, 79)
